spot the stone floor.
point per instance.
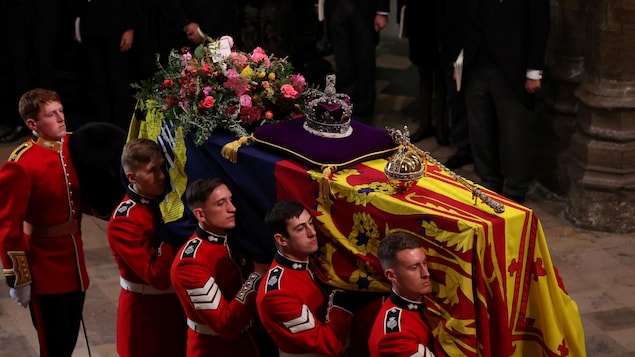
(598, 268)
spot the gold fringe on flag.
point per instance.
(230, 150)
(324, 194)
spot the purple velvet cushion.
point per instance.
(365, 143)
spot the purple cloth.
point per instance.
(365, 143)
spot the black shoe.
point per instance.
(14, 134)
(458, 160)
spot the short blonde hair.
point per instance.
(139, 152)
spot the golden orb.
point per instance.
(404, 169)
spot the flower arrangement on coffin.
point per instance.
(217, 87)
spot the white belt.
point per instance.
(200, 328)
(287, 354)
(144, 289)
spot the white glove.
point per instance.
(21, 295)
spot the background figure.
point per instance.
(32, 28)
(287, 28)
(504, 56)
(353, 27)
(184, 23)
(107, 33)
(41, 243)
(451, 40)
(421, 24)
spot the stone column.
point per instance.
(602, 170)
(557, 104)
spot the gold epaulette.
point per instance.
(17, 153)
(19, 275)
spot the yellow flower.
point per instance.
(247, 72)
(272, 76)
(261, 74)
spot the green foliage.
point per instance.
(236, 91)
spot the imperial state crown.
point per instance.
(328, 113)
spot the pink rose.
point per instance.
(298, 80)
(258, 54)
(238, 59)
(245, 100)
(208, 102)
(186, 57)
(288, 91)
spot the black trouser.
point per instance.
(110, 76)
(353, 36)
(501, 131)
(459, 129)
(56, 318)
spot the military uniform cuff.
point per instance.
(19, 275)
(249, 286)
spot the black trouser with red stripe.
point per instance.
(56, 318)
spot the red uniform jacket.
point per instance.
(148, 324)
(400, 330)
(211, 289)
(292, 308)
(38, 185)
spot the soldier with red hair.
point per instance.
(40, 226)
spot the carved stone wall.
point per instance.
(557, 104)
(601, 195)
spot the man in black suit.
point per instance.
(422, 24)
(186, 23)
(106, 28)
(353, 27)
(505, 43)
(451, 38)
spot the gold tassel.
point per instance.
(230, 150)
(324, 194)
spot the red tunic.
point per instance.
(400, 330)
(39, 185)
(291, 307)
(148, 324)
(216, 301)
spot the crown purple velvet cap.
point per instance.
(328, 113)
(364, 143)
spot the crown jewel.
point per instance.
(328, 113)
(405, 167)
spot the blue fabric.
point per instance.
(251, 182)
